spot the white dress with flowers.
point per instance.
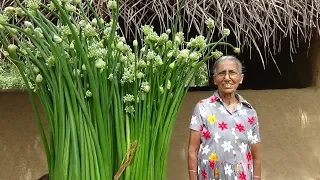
(226, 138)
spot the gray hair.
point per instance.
(230, 58)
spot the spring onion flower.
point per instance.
(28, 24)
(140, 75)
(146, 29)
(179, 38)
(236, 50)
(198, 42)
(39, 78)
(100, 64)
(210, 23)
(135, 43)
(33, 4)
(145, 87)
(142, 64)
(217, 54)
(128, 98)
(4, 18)
(9, 11)
(110, 77)
(151, 55)
(20, 12)
(129, 109)
(194, 56)
(51, 61)
(163, 39)
(170, 54)
(168, 31)
(70, 8)
(88, 93)
(112, 4)
(183, 55)
(226, 32)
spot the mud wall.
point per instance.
(289, 120)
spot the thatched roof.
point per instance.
(255, 23)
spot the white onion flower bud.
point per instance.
(179, 38)
(168, 31)
(57, 39)
(9, 11)
(12, 48)
(171, 66)
(210, 23)
(83, 67)
(100, 64)
(161, 89)
(51, 61)
(217, 54)
(168, 84)
(145, 87)
(88, 93)
(110, 77)
(236, 50)
(112, 4)
(226, 32)
(70, 8)
(39, 78)
(129, 109)
(28, 24)
(140, 75)
(135, 43)
(20, 12)
(146, 29)
(128, 98)
(163, 39)
(194, 56)
(4, 18)
(94, 22)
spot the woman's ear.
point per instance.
(242, 75)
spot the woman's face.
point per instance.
(227, 76)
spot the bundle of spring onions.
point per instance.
(110, 107)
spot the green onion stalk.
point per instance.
(110, 107)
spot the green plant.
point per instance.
(110, 107)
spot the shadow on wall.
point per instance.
(289, 122)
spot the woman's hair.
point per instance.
(230, 58)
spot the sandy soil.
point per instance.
(289, 122)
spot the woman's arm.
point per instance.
(194, 144)
(256, 161)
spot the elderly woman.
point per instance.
(224, 135)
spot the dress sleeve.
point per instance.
(196, 119)
(255, 131)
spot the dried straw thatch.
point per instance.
(255, 23)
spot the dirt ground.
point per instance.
(289, 127)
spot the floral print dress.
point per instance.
(226, 138)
